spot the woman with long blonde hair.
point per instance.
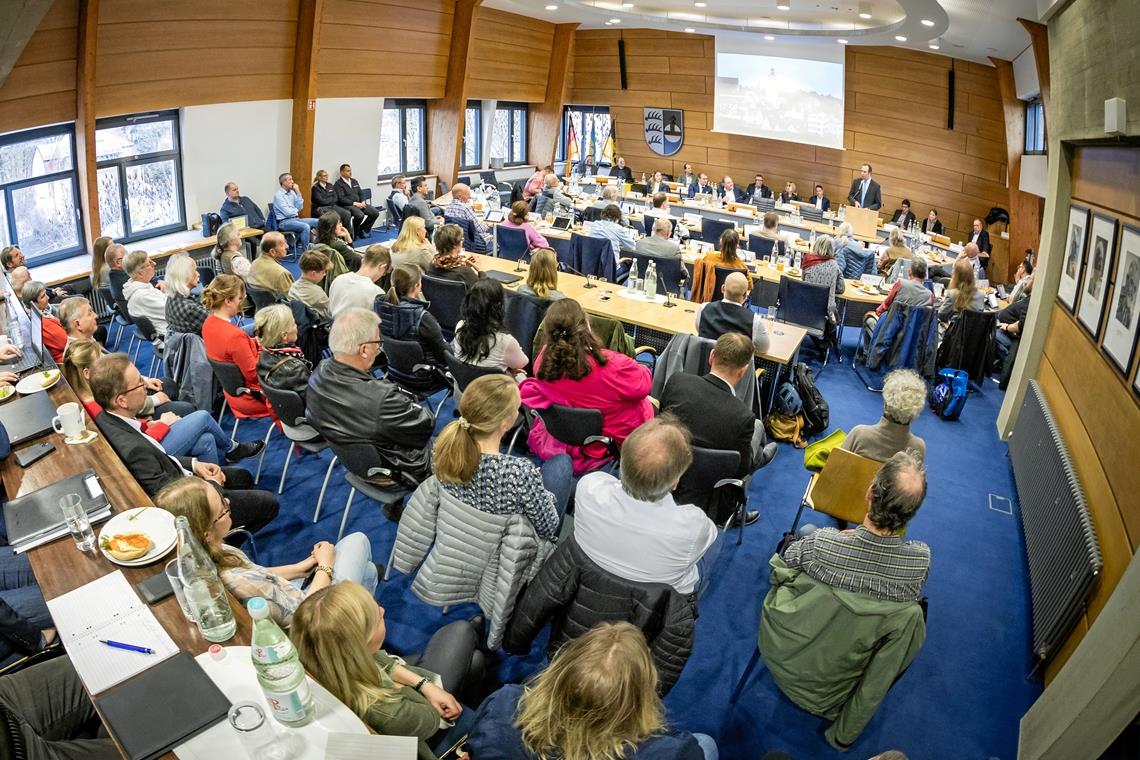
(413, 245)
(99, 268)
(597, 700)
(542, 275)
(962, 293)
(469, 465)
(339, 631)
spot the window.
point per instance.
(403, 138)
(139, 169)
(1035, 127)
(472, 136)
(508, 134)
(39, 209)
(587, 131)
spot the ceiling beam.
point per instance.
(445, 135)
(19, 20)
(1039, 39)
(546, 117)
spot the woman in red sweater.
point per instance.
(225, 342)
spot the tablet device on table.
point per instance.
(562, 223)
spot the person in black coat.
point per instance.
(621, 170)
(819, 200)
(981, 238)
(765, 191)
(323, 198)
(931, 224)
(117, 387)
(865, 192)
(350, 197)
(903, 217)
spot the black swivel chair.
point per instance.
(522, 316)
(803, 304)
(712, 229)
(229, 376)
(761, 247)
(669, 271)
(578, 427)
(511, 243)
(362, 466)
(410, 369)
(395, 218)
(261, 297)
(445, 299)
(146, 331)
(721, 274)
(290, 410)
(711, 484)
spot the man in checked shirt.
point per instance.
(873, 558)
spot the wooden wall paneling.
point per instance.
(309, 15)
(445, 133)
(545, 118)
(87, 36)
(1105, 175)
(511, 57)
(40, 89)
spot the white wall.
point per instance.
(1025, 75)
(1034, 174)
(347, 131)
(247, 143)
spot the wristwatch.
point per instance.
(326, 570)
(420, 685)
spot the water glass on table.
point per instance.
(257, 736)
(175, 579)
(75, 515)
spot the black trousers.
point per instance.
(345, 217)
(251, 508)
(55, 716)
(362, 220)
(453, 653)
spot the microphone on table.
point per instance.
(572, 270)
(669, 297)
(519, 261)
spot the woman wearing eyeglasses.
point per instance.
(283, 587)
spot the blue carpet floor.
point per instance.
(963, 696)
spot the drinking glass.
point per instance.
(257, 735)
(77, 521)
(771, 313)
(175, 579)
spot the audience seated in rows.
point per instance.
(820, 268)
(480, 337)
(704, 269)
(230, 251)
(536, 182)
(516, 219)
(609, 226)
(854, 258)
(419, 205)
(399, 194)
(542, 275)
(459, 211)
(350, 196)
(184, 310)
(267, 272)
(896, 249)
(339, 632)
(573, 369)
(283, 587)
(1008, 338)
(322, 199)
(348, 405)
(20, 276)
(78, 319)
(307, 288)
(334, 235)
(963, 292)
(117, 387)
(770, 226)
(287, 205)
(908, 291)
(731, 314)
(450, 263)
(236, 205)
(660, 203)
(904, 396)
(144, 299)
(413, 245)
(359, 289)
(596, 699)
(404, 315)
(225, 342)
(281, 363)
(105, 255)
(757, 189)
(34, 296)
(972, 255)
(1023, 281)
(611, 196)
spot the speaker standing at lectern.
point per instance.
(865, 191)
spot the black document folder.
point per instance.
(36, 514)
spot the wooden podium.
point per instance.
(863, 221)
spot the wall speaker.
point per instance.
(621, 62)
(950, 102)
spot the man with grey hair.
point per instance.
(267, 272)
(144, 299)
(611, 195)
(348, 405)
(660, 242)
(873, 559)
(459, 212)
(633, 528)
(911, 291)
(552, 199)
(904, 396)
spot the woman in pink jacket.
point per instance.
(574, 370)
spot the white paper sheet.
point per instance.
(357, 747)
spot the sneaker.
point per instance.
(244, 451)
(750, 516)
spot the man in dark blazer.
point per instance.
(980, 238)
(716, 418)
(236, 205)
(865, 192)
(701, 187)
(819, 200)
(903, 217)
(118, 387)
(349, 196)
(621, 170)
(729, 192)
(758, 184)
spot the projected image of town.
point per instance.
(779, 98)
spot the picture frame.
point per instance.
(1123, 325)
(1073, 257)
(1101, 249)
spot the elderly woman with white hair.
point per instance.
(184, 311)
(820, 268)
(281, 364)
(904, 395)
(854, 258)
(230, 251)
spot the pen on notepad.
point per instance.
(128, 647)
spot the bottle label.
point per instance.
(268, 653)
(289, 706)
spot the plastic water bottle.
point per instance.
(204, 590)
(279, 670)
(798, 260)
(651, 280)
(12, 325)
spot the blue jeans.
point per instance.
(22, 606)
(708, 746)
(354, 561)
(707, 561)
(558, 477)
(197, 435)
(301, 227)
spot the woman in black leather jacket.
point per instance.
(281, 363)
(323, 198)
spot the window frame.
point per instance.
(477, 107)
(8, 188)
(123, 163)
(510, 107)
(403, 105)
(1035, 115)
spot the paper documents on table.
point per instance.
(108, 608)
(361, 747)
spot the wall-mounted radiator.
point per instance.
(1064, 556)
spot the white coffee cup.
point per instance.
(69, 421)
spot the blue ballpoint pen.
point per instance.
(128, 647)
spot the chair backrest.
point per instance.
(523, 315)
(464, 373)
(721, 274)
(488, 177)
(512, 242)
(357, 458)
(270, 218)
(445, 299)
(712, 229)
(206, 275)
(570, 425)
(471, 241)
(811, 213)
(840, 489)
(668, 271)
(261, 297)
(591, 214)
(761, 247)
(590, 255)
(467, 181)
(287, 404)
(764, 204)
(801, 303)
(393, 212)
(146, 327)
(408, 367)
(116, 279)
(230, 376)
(700, 482)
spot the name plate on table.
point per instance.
(872, 279)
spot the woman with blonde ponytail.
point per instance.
(468, 464)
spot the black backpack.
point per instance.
(817, 414)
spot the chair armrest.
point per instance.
(728, 482)
(374, 471)
(645, 350)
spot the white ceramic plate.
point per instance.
(7, 392)
(157, 523)
(33, 382)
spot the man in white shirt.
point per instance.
(661, 209)
(144, 299)
(633, 528)
(359, 289)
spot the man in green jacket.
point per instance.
(841, 620)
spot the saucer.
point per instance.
(87, 436)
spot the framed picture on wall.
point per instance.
(1124, 312)
(1094, 286)
(1074, 256)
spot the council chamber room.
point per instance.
(581, 380)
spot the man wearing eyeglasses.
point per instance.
(348, 405)
(144, 299)
(119, 388)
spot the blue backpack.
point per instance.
(948, 396)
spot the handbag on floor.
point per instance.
(815, 455)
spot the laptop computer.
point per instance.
(493, 215)
(27, 417)
(32, 354)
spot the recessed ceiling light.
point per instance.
(552, 7)
(900, 38)
(690, 29)
(936, 44)
(784, 5)
(769, 37)
(927, 22)
(615, 20)
(627, 5)
(842, 41)
(700, 5)
(864, 10)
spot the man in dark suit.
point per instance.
(349, 196)
(758, 184)
(981, 238)
(865, 192)
(903, 217)
(621, 170)
(819, 200)
(716, 418)
(729, 192)
(119, 388)
(701, 186)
